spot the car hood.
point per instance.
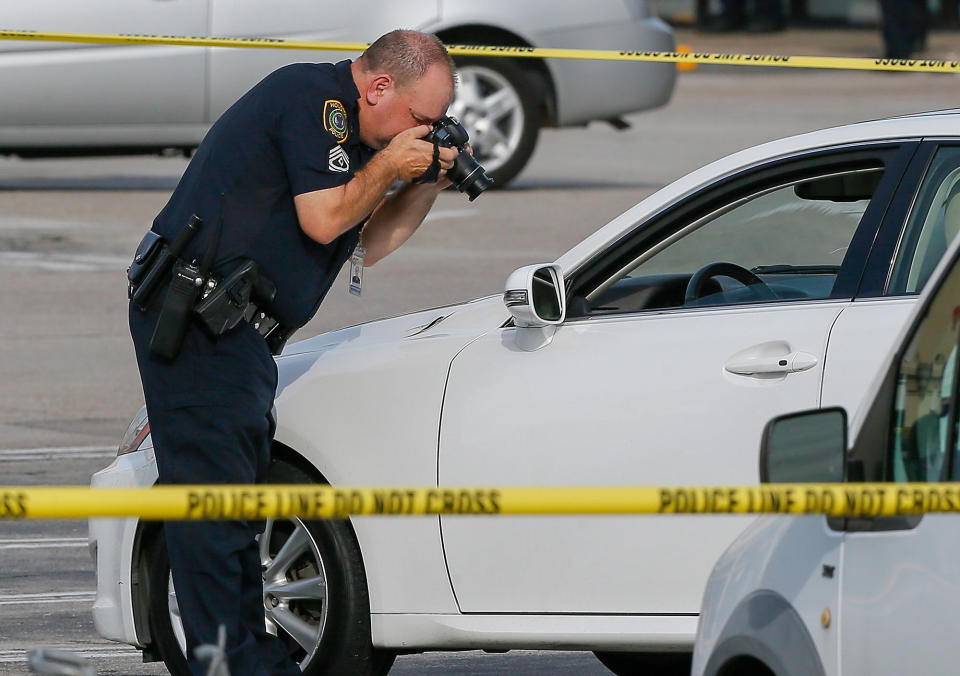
(467, 319)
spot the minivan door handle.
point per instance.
(770, 358)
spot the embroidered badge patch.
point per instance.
(335, 119)
(339, 160)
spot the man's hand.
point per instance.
(410, 155)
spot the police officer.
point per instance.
(286, 177)
(904, 26)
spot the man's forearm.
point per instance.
(396, 219)
(326, 214)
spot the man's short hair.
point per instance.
(406, 55)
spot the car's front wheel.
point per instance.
(498, 104)
(315, 595)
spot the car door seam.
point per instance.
(443, 400)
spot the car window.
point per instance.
(933, 223)
(926, 382)
(783, 242)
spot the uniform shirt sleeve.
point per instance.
(313, 158)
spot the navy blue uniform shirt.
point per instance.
(294, 132)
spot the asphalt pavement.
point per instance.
(68, 227)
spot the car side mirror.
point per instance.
(806, 447)
(535, 296)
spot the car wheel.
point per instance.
(315, 592)
(641, 664)
(497, 103)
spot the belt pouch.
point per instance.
(147, 252)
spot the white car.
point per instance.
(831, 596)
(69, 98)
(769, 281)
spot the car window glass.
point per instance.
(933, 223)
(785, 242)
(926, 379)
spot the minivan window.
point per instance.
(926, 384)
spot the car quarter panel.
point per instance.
(365, 410)
(583, 88)
(767, 597)
(861, 338)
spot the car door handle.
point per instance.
(758, 364)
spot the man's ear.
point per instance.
(377, 87)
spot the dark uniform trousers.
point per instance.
(210, 423)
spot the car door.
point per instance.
(233, 71)
(86, 94)
(900, 581)
(659, 376)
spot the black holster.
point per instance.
(236, 298)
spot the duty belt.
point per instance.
(272, 331)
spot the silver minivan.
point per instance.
(72, 98)
(848, 596)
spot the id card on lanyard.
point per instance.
(356, 270)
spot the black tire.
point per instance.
(161, 630)
(524, 120)
(344, 646)
(647, 664)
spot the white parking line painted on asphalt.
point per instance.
(62, 262)
(47, 597)
(41, 543)
(15, 655)
(72, 452)
(34, 223)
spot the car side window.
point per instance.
(933, 223)
(781, 242)
(925, 387)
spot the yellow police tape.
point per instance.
(217, 502)
(828, 62)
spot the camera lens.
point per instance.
(468, 175)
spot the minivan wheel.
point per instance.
(644, 664)
(498, 104)
(316, 590)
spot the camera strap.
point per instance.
(433, 173)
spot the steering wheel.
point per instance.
(698, 282)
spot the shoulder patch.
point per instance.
(338, 159)
(335, 119)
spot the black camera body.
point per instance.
(466, 173)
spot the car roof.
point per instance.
(939, 124)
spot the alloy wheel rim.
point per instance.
(295, 594)
(491, 111)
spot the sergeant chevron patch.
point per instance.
(339, 160)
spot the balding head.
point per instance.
(406, 56)
(405, 79)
